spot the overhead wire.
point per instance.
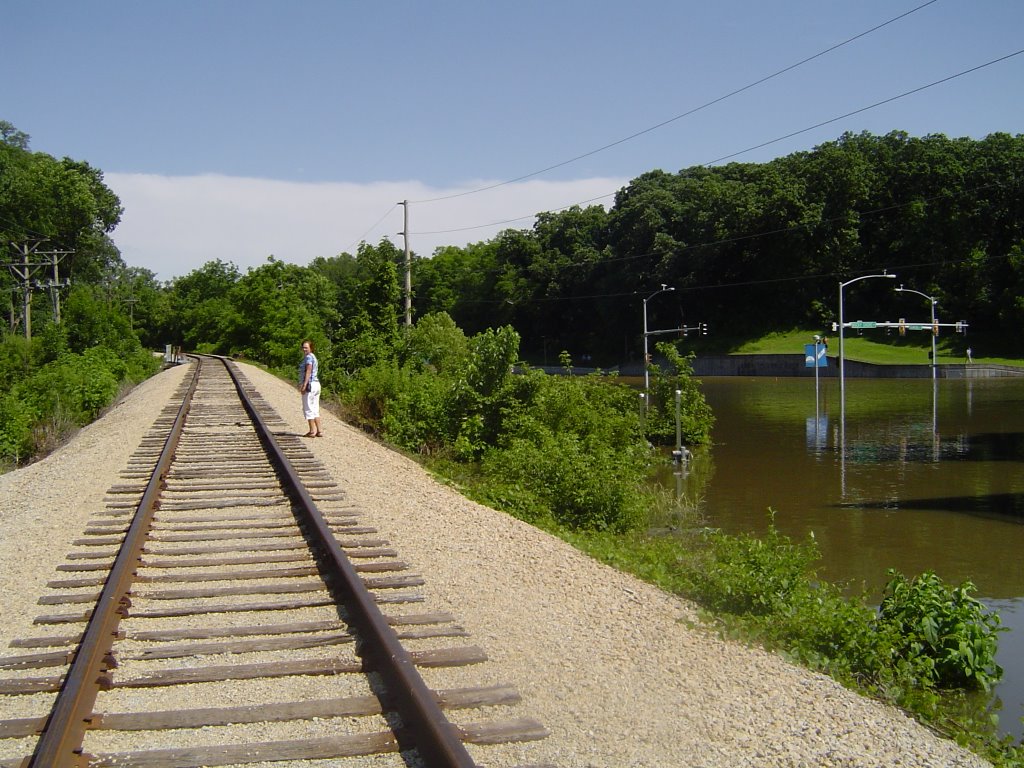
(911, 92)
(362, 237)
(689, 112)
(763, 144)
(635, 135)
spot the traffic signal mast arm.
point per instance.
(959, 326)
(701, 327)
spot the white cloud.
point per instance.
(175, 224)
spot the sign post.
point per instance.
(815, 357)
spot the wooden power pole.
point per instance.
(25, 268)
(408, 265)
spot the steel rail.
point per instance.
(436, 738)
(60, 743)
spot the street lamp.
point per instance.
(647, 382)
(842, 367)
(842, 380)
(933, 301)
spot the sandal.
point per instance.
(319, 434)
(310, 434)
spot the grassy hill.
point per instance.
(871, 347)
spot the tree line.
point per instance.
(754, 247)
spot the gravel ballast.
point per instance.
(618, 671)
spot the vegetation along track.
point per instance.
(226, 608)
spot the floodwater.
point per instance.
(920, 475)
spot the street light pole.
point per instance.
(647, 382)
(933, 301)
(842, 359)
(842, 379)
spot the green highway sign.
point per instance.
(863, 324)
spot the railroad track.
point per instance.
(227, 607)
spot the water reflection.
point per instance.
(921, 476)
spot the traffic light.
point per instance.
(935, 328)
(703, 329)
(903, 326)
(835, 327)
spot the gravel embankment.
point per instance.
(617, 670)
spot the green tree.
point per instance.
(12, 136)
(369, 307)
(200, 310)
(695, 416)
(62, 202)
(274, 307)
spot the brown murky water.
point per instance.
(918, 478)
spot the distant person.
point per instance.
(970, 357)
(309, 386)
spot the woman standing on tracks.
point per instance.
(309, 386)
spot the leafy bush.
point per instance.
(43, 406)
(695, 417)
(15, 428)
(949, 637)
(15, 360)
(436, 344)
(565, 449)
(750, 575)
(78, 385)
(419, 416)
(578, 486)
(371, 390)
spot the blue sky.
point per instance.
(237, 129)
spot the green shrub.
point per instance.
(79, 386)
(15, 428)
(370, 391)
(419, 415)
(44, 407)
(578, 486)
(15, 360)
(930, 648)
(695, 416)
(949, 637)
(750, 575)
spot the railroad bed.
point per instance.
(227, 608)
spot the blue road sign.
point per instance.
(812, 359)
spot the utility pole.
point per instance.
(24, 270)
(54, 284)
(408, 265)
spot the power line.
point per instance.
(362, 237)
(911, 92)
(662, 124)
(709, 163)
(741, 283)
(509, 221)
